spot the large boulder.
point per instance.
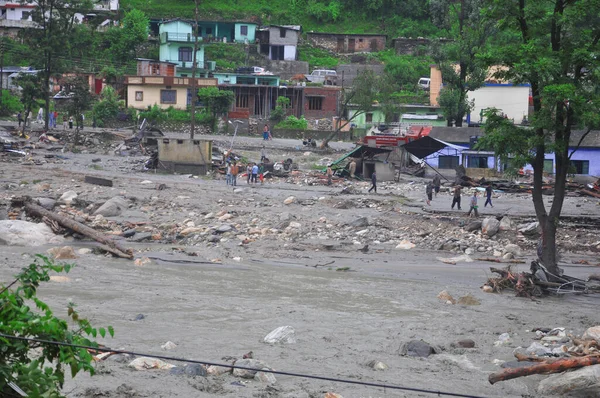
(473, 226)
(283, 334)
(531, 229)
(490, 226)
(506, 224)
(513, 249)
(24, 233)
(249, 363)
(417, 348)
(580, 383)
(360, 222)
(592, 333)
(112, 207)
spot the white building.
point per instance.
(512, 100)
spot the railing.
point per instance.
(177, 37)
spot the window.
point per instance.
(155, 69)
(185, 54)
(282, 32)
(241, 101)
(580, 167)
(200, 31)
(25, 16)
(168, 96)
(477, 162)
(209, 31)
(315, 103)
(448, 162)
(139, 95)
(244, 30)
(369, 118)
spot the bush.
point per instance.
(292, 122)
(10, 104)
(107, 109)
(39, 368)
(281, 109)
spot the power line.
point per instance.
(282, 373)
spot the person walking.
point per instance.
(329, 174)
(261, 174)
(228, 174)
(373, 182)
(40, 116)
(20, 118)
(254, 173)
(488, 195)
(234, 174)
(263, 154)
(437, 183)
(474, 207)
(456, 197)
(429, 193)
(55, 118)
(248, 173)
(65, 121)
(71, 122)
(352, 168)
(51, 119)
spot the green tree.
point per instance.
(31, 93)
(217, 102)
(39, 368)
(55, 22)
(281, 109)
(462, 70)
(107, 108)
(125, 40)
(79, 98)
(553, 46)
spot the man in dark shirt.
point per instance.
(456, 198)
(374, 182)
(488, 195)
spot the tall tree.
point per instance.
(124, 41)
(55, 21)
(462, 70)
(31, 93)
(553, 46)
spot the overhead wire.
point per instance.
(277, 372)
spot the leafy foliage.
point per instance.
(281, 109)
(228, 55)
(9, 104)
(317, 57)
(292, 122)
(107, 109)
(39, 368)
(404, 70)
(217, 102)
(124, 40)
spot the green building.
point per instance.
(410, 114)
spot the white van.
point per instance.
(424, 83)
(320, 75)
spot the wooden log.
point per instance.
(98, 181)
(530, 358)
(109, 244)
(544, 368)
(591, 193)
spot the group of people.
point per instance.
(255, 173)
(434, 187)
(52, 119)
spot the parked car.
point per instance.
(424, 83)
(325, 76)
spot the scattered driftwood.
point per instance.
(498, 260)
(547, 367)
(590, 193)
(98, 181)
(539, 282)
(108, 243)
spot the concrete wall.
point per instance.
(590, 154)
(178, 27)
(341, 43)
(16, 13)
(435, 85)
(512, 100)
(350, 71)
(185, 156)
(286, 69)
(251, 36)
(410, 46)
(361, 120)
(151, 96)
(291, 37)
(169, 52)
(329, 105)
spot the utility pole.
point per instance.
(194, 65)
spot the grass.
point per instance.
(95, 167)
(343, 269)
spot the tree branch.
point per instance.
(580, 142)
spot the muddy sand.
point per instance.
(347, 307)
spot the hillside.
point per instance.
(409, 18)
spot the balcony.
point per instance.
(169, 37)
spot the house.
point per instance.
(585, 160)
(14, 16)
(409, 114)
(227, 32)
(106, 5)
(279, 42)
(259, 101)
(321, 102)
(157, 83)
(348, 43)
(511, 99)
(177, 46)
(9, 73)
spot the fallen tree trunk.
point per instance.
(544, 368)
(109, 244)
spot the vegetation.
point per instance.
(216, 102)
(553, 46)
(157, 115)
(317, 58)
(292, 122)
(39, 368)
(281, 109)
(228, 56)
(9, 104)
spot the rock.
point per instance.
(289, 200)
(225, 217)
(68, 197)
(490, 226)
(584, 382)
(497, 253)
(121, 358)
(531, 229)
(191, 230)
(84, 251)
(47, 203)
(469, 251)
(129, 233)
(224, 228)
(360, 223)
(592, 333)
(265, 377)
(139, 317)
(405, 245)
(417, 348)
(377, 365)
(468, 300)
(513, 249)
(62, 253)
(209, 215)
(113, 207)
(473, 226)
(503, 339)
(24, 233)
(169, 345)
(238, 190)
(249, 363)
(283, 335)
(60, 278)
(506, 224)
(295, 225)
(487, 289)
(218, 370)
(508, 256)
(194, 369)
(517, 364)
(465, 343)
(446, 297)
(141, 237)
(144, 363)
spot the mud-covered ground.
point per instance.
(347, 306)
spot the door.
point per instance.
(340, 45)
(97, 86)
(351, 45)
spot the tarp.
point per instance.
(427, 145)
